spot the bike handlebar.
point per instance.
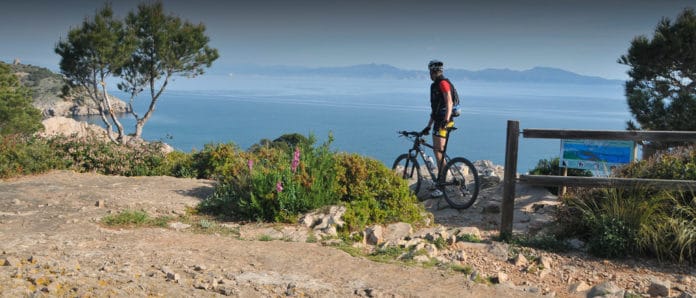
(411, 133)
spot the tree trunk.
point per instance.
(121, 135)
(94, 94)
(153, 103)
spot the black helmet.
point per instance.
(435, 65)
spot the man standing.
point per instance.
(440, 113)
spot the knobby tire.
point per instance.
(459, 183)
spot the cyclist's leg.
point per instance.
(440, 137)
(438, 148)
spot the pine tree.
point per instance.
(661, 92)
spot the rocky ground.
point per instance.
(53, 244)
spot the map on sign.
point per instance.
(595, 155)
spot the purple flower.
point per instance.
(295, 160)
(250, 164)
(279, 186)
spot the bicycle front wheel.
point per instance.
(460, 183)
(407, 168)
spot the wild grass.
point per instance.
(134, 218)
(640, 221)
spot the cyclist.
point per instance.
(440, 113)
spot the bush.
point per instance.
(178, 164)
(21, 155)
(374, 194)
(218, 161)
(552, 167)
(104, 157)
(279, 183)
(678, 163)
(618, 223)
(273, 184)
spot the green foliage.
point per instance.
(387, 254)
(219, 161)
(91, 54)
(26, 155)
(678, 163)
(373, 193)
(285, 142)
(276, 182)
(468, 238)
(660, 93)
(675, 237)
(178, 164)
(611, 237)
(552, 167)
(17, 114)
(164, 46)
(619, 223)
(272, 184)
(145, 51)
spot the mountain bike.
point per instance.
(458, 180)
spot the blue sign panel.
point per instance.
(595, 155)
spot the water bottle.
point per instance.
(429, 161)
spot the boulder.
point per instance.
(375, 235)
(397, 231)
(659, 288)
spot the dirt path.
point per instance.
(52, 244)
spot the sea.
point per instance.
(364, 115)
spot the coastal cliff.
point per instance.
(46, 89)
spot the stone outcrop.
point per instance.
(55, 126)
(78, 105)
(70, 127)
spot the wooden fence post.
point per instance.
(508, 205)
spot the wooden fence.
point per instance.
(511, 153)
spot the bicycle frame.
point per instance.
(418, 150)
(457, 177)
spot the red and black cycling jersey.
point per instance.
(438, 89)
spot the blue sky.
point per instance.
(586, 37)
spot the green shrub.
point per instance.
(678, 163)
(104, 157)
(178, 164)
(373, 194)
(219, 161)
(20, 155)
(552, 167)
(617, 222)
(279, 183)
(674, 237)
(272, 184)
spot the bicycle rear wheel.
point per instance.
(459, 183)
(407, 168)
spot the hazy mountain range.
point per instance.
(537, 74)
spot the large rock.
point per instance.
(659, 288)
(55, 126)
